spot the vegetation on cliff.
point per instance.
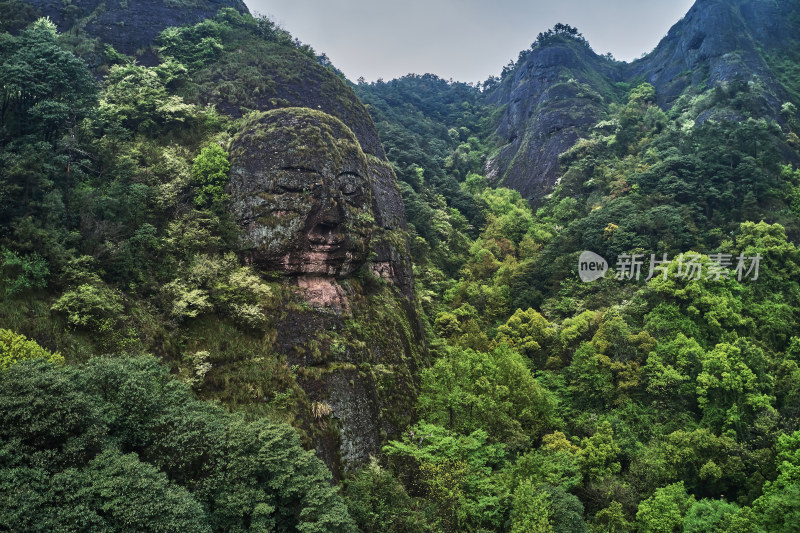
(668, 401)
(138, 350)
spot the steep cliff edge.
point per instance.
(557, 91)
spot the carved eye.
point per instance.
(350, 183)
(290, 185)
(295, 179)
(302, 170)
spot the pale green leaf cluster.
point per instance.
(15, 347)
(218, 283)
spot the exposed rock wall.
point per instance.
(554, 97)
(321, 217)
(129, 25)
(716, 42)
(319, 205)
(561, 89)
(279, 76)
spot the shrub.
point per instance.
(15, 347)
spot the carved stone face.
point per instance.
(300, 189)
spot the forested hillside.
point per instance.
(240, 293)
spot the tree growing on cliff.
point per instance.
(43, 87)
(559, 29)
(210, 174)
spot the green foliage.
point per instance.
(90, 306)
(646, 396)
(119, 492)
(709, 515)
(210, 173)
(664, 511)
(138, 99)
(779, 507)
(44, 89)
(529, 333)
(194, 46)
(117, 445)
(214, 283)
(563, 30)
(607, 370)
(467, 390)
(15, 348)
(22, 273)
(728, 391)
(270, 482)
(707, 464)
(611, 520)
(16, 15)
(530, 511)
(672, 369)
(454, 472)
(557, 464)
(566, 511)
(378, 502)
(599, 453)
(431, 130)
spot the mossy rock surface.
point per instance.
(257, 75)
(362, 364)
(129, 25)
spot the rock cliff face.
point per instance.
(319, 207)
(301, 191)
(550, 100)
(321, 218)
(717, 42)
(311, 206)
(560, 89)
(129, 25)
(279, 76)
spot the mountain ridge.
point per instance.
(717, 43)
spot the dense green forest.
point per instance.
(139, 390)
(660, 405)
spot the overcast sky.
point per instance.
(466, 40)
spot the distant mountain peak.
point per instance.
(716, 43)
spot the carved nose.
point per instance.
(326, 230)
(331, 213)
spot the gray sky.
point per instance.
(466, 40)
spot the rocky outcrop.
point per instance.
(553, 97)
(129, 25)
(560, 89)
(280, 76)
(302, 194)
(322, 220)
(320, 209)
(718, 41)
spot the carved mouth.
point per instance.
(325, 247)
